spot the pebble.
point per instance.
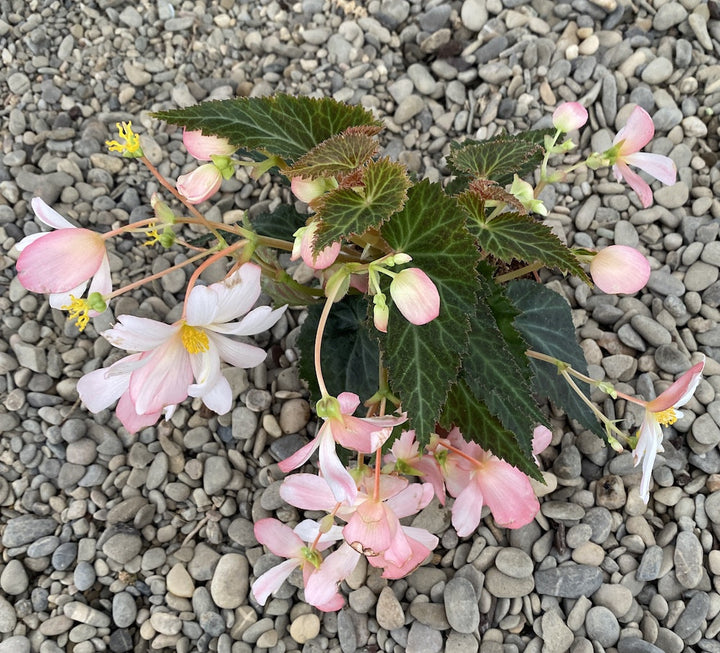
(305, 628)
(568, 581)
(216, 475)
(85, 614)
(229, 585)
(24, 530)
(688, 560)
(179, 581)
(388, 612)
(461, 605)
(124, 610)
(14, 579)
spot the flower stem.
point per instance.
(318, 339)
(516, 274)
(127, 228)
(157, 275)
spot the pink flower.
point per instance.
(200, 184)
(569, 116)
(291, 544)
(415, 295)
(662, 411)
(477, 477)
(363, 434)
(406, 457)
(635, 135)
(322, 585)
(619, 269)
(171, 356)
(303, 247)
(60, 263)
(204, 147)
(307, 190)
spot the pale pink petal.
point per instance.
(237, 294)
(272, 579)
(60, 299)
(619, 269)
(335, 473)
(649, 443)
(308, 492)
(348, 401)
(131, 419)
(411, 500)
(415, 295)
(306, 190)
(60, 260)
(300, 457)
(637, 183)
(307, 530)
(659, 166)
(321, 588)
(102, 281)
(371, 528)
(569, 116)
(636, 133)
(363, 434)
(542, 437)
(201, 147)
(467, 510)
(164, 379)
(421, 544)
(101, 388)
(48, 215)
(202, 306)
(211, 386)
(139, 333)
(238, 354)
(256, 321)
(324, 258)
(680, 392)
(508, 493)
(278, 537)
(22, 244)
(200, 184)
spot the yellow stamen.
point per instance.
(193, 339)
(78, 310)
(666, 417)
(131, 146)
(152, 235)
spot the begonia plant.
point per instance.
(429, 343)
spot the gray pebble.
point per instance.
(24, 530)
(602, 626)
(568, 581)
(688, 559)
(461, 605)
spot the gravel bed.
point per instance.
(120, 543)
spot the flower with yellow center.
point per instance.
(662, 411)
(131, 147)
(178, 360)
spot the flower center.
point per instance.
(666, 417)
(193, 339)
(78, 310)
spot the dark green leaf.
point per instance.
(492, 372)
(283, 125)
(511, 236)
(344, 211)
(337, 155)
(500, 157)
(546, 324)
(282, 223)
(477, 424)
(423, 361)
(349, 356)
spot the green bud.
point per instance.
(167, 237)
(96, 302)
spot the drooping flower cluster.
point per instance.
(372, 501)
(174, 361)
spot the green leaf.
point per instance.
(345, 211)
(349, 355)
(492, 372)
(477, 424)
(546, 324)
(282, 223)
(500, 157)
(423, 361)
(337, 155)
(510, 236)
(283, 125)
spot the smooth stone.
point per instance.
(216, 474)
(15, 644)
(422, 639)
(179, 581)
(649, 567)
(602, 626)
(84, 576)
(568, 581)
(229, 585)
(506, 587)
(85, 614)
(203, 563)
(24, 530)
(124, 609)
(555, 633)
(688, 559)
(122, 547)
(514, 562)
(693, 616)
(8, 618)
(304, 628)
(14, 579)
(388, 612)
(461, 605)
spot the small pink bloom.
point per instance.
(203, 147)
(415, 295)
(662, 411)
(619, 269)
(60, 263)
(363, 434)
(303, 247)
(200, 184)
(321, 587)
(569, 116)
(421, 544)
(635, 135)
(406, 458)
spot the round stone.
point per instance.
(305, 628)
(229, 585)
(179, 581)
(514, 562)
(602, 626)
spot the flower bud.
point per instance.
(619, 269)
(569, 116)
(306, 190)
(303, 246)
(200, 184)
(415, 295)
(380, 312)
(203, 147)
